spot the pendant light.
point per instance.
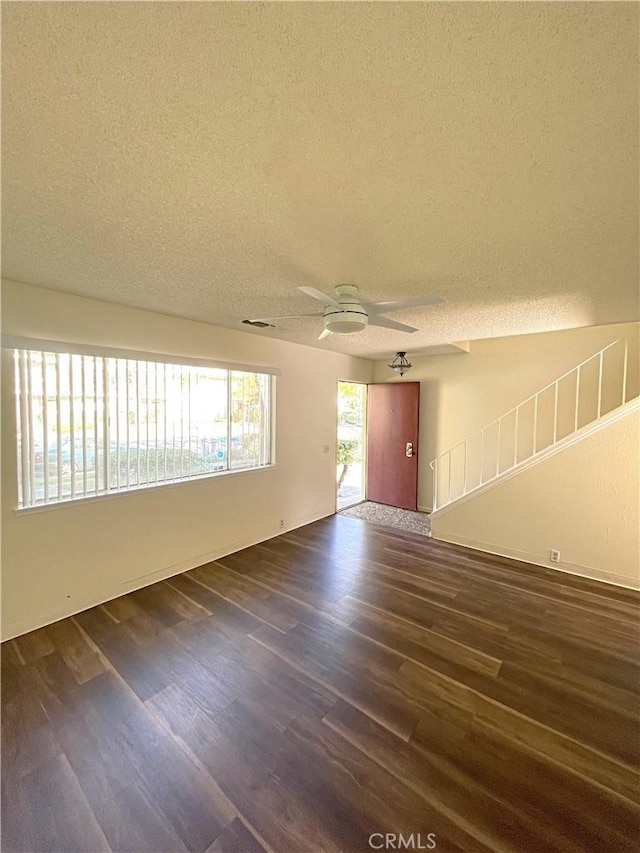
(400, 363)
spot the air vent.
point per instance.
(259, 324)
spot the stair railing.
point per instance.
(493, 437)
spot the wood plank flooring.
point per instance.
(335, 682)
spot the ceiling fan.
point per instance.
(345, 314)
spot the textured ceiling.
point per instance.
(204, 159)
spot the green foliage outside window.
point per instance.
(348, 453)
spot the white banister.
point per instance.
(600, 385)
(493, 442)
(549, 385)
(434, 467)
(464, 470)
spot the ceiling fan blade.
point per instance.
(324, 335)
(287, 317)
(390, 307)
(386, 323)
(319, 295)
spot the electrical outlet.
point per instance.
(281, 524)
(554, 556)
(325, 448)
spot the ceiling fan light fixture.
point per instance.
(400, 363)
(347, 319)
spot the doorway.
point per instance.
(351, 444)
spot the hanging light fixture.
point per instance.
(400, 363)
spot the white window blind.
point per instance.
(90, 425)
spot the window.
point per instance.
(92, 425)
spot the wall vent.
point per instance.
(259, 324)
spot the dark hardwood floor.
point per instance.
(336, 682)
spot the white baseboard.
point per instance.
(538, 560)
(92, 598)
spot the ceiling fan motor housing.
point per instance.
(350, 317)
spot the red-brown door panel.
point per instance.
(392, 424)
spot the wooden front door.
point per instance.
(392, 425)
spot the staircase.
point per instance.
(594, 393)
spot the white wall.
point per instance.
(582, 502)
(62, 559)
(461, 393)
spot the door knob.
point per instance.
(409, 449)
